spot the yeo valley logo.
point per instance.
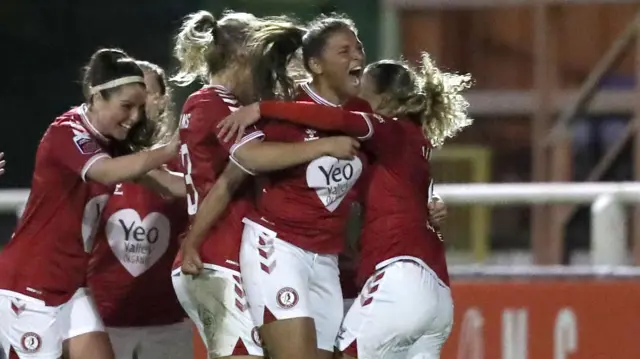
(332, 179)
(138, 243)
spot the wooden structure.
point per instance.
(545, 35)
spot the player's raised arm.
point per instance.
(258, 156)
(253, 154)
(164, 182)
(304, 113)
(81, 153)
(110, 171)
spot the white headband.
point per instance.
(115, 83)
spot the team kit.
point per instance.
(230, 216)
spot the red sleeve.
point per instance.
(201, 120)
(318, 116)
(72, 146)
(384, 136)
(280, 131)
(379, 132)
(206, 115)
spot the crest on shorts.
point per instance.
(311, 135)
(30, 342)
(255, 335)
(287, 298)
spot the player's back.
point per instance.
(197, 134)
(204, 157)
(49, 251)
(397, 188)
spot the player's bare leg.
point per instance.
(94, 345)
(290, 338)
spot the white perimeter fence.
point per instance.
(608, 217)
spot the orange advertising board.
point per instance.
(545, 319)
(541, 319)
(199, 348)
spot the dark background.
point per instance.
(45, 44)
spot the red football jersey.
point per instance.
(397, 185)
(308, 205)
(130, 265)
(204, 158)
(397, 188)
(48, 254)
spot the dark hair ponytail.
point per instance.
(272, 48)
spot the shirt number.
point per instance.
(192, 193)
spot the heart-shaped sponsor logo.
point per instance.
(332, 179)
(138, 243)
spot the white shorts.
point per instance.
(159, 342)
(284, 281)
(34, 330)
(216, 303)
(80, 315)
(403, 311)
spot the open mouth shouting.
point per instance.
(355, 74)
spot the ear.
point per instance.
(315, 66)
(97, 98)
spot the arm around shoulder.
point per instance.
(110, 171)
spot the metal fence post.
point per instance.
(608, 231)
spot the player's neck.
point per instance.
(326, 93)
(222, 79)
(92, 117)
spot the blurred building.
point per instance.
(529, 62)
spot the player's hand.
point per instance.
(171, 149)
(2, 163)
(191, 262)
(437, 212)
(341, 147)
(236, 123)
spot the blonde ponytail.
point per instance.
(444, 110)
(195, 39)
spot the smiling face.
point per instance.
(123, 108)
(340, 63)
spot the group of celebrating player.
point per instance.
(251, 199)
